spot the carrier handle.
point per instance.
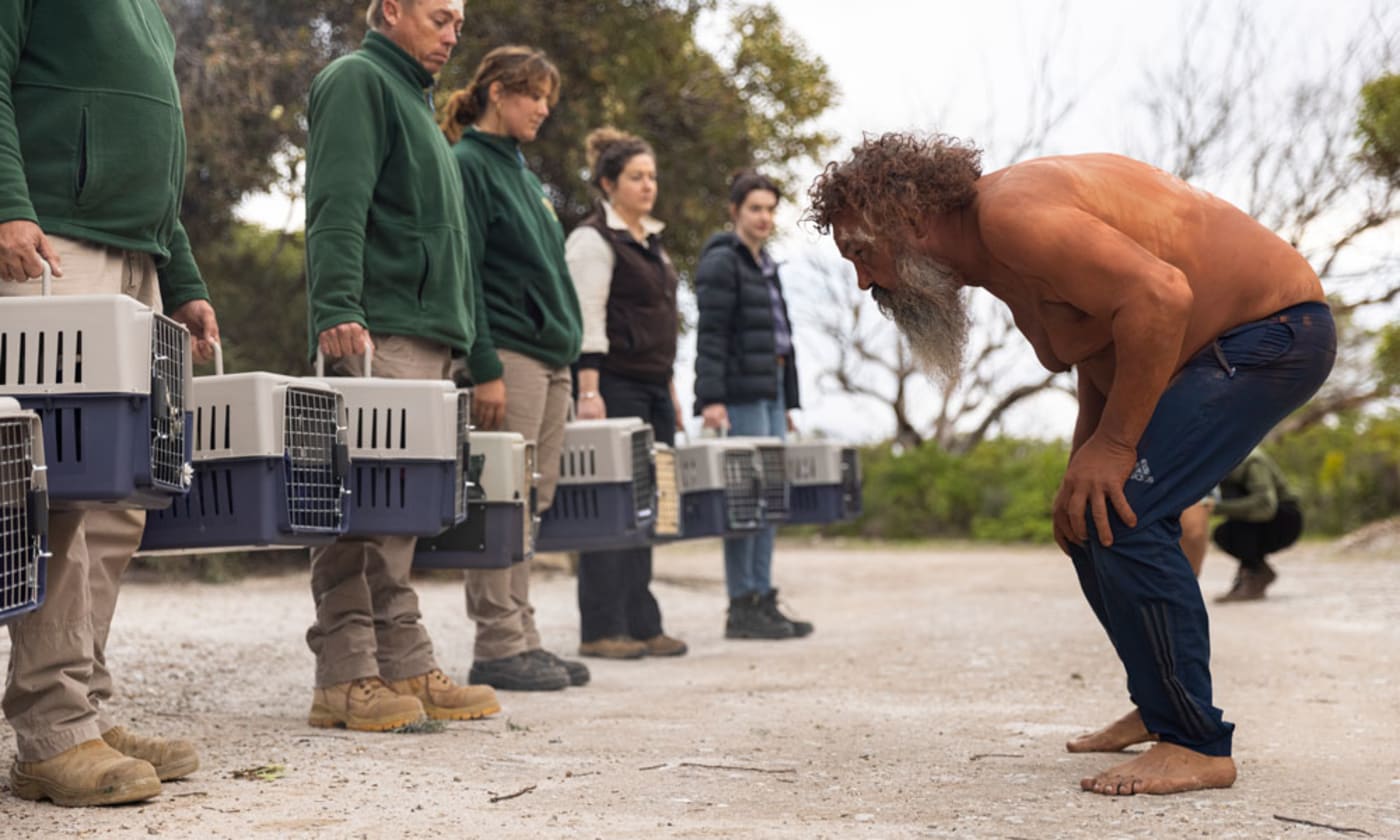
(218, 358)
(368, 357)
(46, 278)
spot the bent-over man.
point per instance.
(1192, 330)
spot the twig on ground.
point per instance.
(1337, 828)
(736, 767)
(980, 756)
(320, 735)
(191, 793)
(569, 774)
(503, 797)
(265, 773)
(655, 766)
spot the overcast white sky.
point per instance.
(970, 69)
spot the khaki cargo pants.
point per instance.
(498, 600)
(367, 617)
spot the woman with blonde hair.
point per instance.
(627, 293)
(527, 333)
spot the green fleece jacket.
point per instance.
(518, 267)
(92, 144)
(386, 243)
(1253, 490)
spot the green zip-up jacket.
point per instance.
(518, 267)
(386, 243)
(92, 143)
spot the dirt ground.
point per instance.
(932, 701)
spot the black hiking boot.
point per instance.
(577, 671)
(522, 672)
(769, 603)
(749, 619)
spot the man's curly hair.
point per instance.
(895, 181)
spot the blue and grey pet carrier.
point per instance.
(773, 478)
(408, 454)
(606, 496)
(24, 511)
(826, 482)
(502, 523)
(721, 487)
(109, 378)
(270, 463)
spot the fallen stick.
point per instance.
(1337, 828)
(505, 796)
(979, 756)
(736, 767)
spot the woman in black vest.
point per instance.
(627, 292)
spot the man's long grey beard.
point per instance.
(930, 308)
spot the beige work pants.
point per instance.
(367, 617)
(498, 600)
(58, 676)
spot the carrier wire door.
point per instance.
(24, 511)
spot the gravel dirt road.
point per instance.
(932, 701)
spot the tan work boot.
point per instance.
(663, 645)
(614, 647)
(91, 773)
(443, 699)
(365, 705)
(173, 758)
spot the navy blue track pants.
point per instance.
(1216, 409)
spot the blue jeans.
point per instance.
(1216, 409)
(748, 561)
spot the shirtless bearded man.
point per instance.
(1192, 330)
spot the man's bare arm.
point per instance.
(1088, 264)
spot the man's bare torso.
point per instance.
(1238, 270)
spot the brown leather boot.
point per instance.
(91, 773)
(365, 705)
(1250, 585)
(173, 758)
(614, 647)
(663, 645)
(443, 699)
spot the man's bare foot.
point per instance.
(1122, 733)
(1166, 768)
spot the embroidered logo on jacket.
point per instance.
(1142, 472)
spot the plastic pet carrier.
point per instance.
(109, 378)
(408, 453)
(606, 496)
(24, 511)
(721, 483)
(502, 522)
(826, 482)
(270, 464)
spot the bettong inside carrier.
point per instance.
(408, 453)
(502, 522)
(24, 511)
(606, 496)
(270, 463)
(721, 487)
(772, 476)
(826, 482)
(109, 378)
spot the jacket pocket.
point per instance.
(80, 166)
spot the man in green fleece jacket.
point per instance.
(92, 161)
(387, 271)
